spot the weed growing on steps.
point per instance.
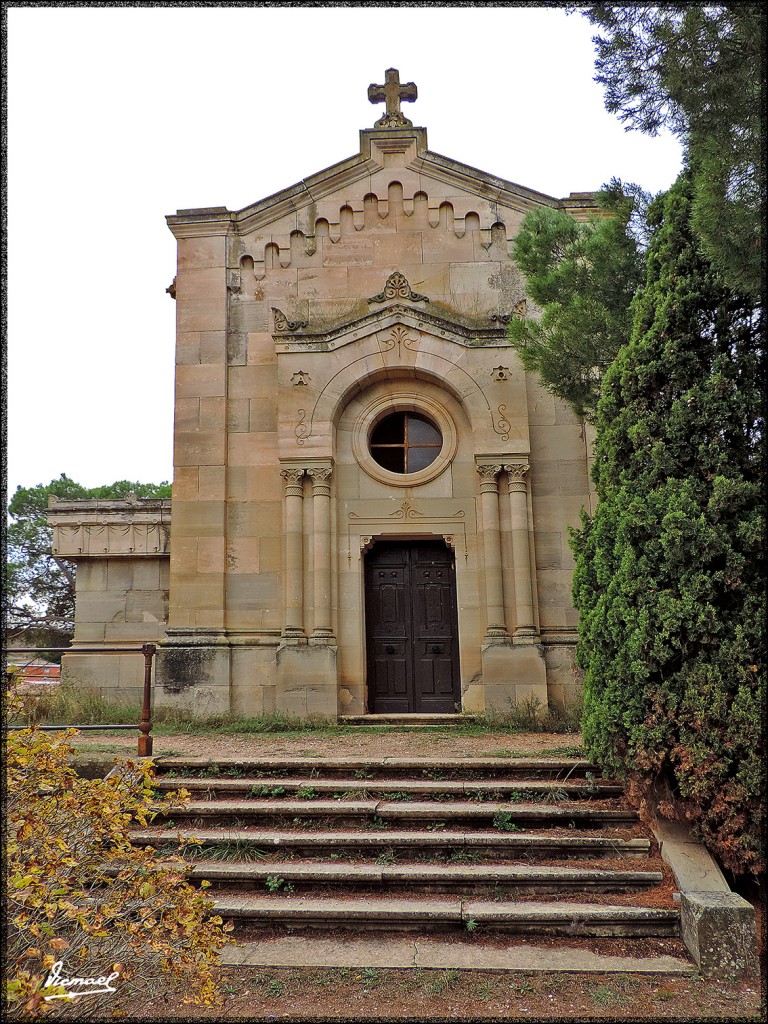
(376, 822)
(267, 791)
(502, 821)
(444, 980)
(275, 883)
(233, 849)
(386, 857)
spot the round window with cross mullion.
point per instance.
(405, 442)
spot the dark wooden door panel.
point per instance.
(411, 629)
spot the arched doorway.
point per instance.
(412, 638)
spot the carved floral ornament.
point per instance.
(282, 323)
(518, 313)
(397, 287)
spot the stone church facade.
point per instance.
(371, 498)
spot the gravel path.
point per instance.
(414, 743)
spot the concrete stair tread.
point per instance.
(448, 764)
(451, 908)
(433, 953)
(322, 871)
(391, 837)
(399, 809)
(437, 718)
(458, 786)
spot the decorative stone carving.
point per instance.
(399, 337)
(488, 474)
(500, 373)
(293, 481)
(392, 93)
(119, 527)
(282, 323)
(171, 289)
(301, 430)
(503, 427)
(516, 476)
(300, 379)
(518, 313)
(321, 479)
(397, 287)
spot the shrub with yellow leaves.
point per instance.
(82, 898)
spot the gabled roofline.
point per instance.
(219, 219)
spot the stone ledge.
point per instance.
(431, 953)
(719, 932)
(717, 925)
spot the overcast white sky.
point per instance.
(119, 116)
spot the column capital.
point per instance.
(321, 479)
(516, 476)
(488, 476)
(293, 481)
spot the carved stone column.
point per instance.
(494, 590)
(521, 552)
(294, 584)
(321, 514)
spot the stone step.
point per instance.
(371, 912)
(408, 721)
(436, 769)
(449, 841)
(523, 878)
(516, 815)
(265, 786)
(436, 952)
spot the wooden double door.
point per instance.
(412, 636)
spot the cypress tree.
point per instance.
(669, 576)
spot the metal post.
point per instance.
(145, 726)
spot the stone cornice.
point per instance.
(206, 222)
(110, 528)
(461, 332)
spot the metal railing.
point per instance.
(144, 726)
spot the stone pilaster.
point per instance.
(494, 588)
(525, 628)
(321, 547)
(293, 628)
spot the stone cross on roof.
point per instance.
(391, 93)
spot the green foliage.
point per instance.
(698, 70)
(669, 577)
(502, 820)
(78, 892)
(583, 276)
(275, 883)
(40, 588)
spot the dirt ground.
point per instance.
(421, 743)
(289, 994)
(256, 994)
